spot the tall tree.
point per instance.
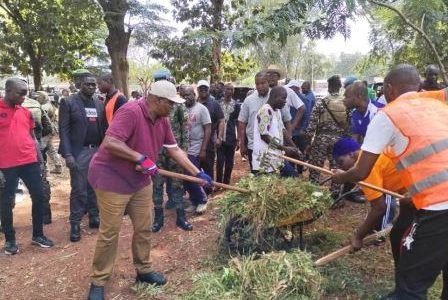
(411, 31)
(54, 36)
(126, 18)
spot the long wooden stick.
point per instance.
(200, 181)
(328, 172)
(347, 249)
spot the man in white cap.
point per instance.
(120, 174)
(275, 74)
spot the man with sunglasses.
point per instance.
(82, 124)
(121, 174)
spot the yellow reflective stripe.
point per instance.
(428, 182)
(421, 154)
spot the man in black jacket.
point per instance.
(82, 126)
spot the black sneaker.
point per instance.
(11, 248)
(42, 241)
(151, 278)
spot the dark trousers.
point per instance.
(249, 158)
(196, 192)
(224, 162)
(31, 177)
(424, 255)
(401, 225)
(209, 167)
(302, 143)
(82, 196)
(209, 164)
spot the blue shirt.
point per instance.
(360, 122)
(308, 100)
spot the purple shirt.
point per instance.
(133, 126)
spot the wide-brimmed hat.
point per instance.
(165, 89)
(276, 69)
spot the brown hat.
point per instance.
(276, 69)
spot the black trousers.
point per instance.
(209, 167)
(400, 227)
(423, 257)
(82, 196)
(31, 177)
(224, 162)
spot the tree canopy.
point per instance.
(51, 36)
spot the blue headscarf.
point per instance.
(345, 146)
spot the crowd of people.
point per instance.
(114, 147)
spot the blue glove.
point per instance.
(205, 177)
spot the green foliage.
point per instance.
(392, 38)
(235, 66)
(55, 36)
(277, 275)
(146, 291)
(259, 20)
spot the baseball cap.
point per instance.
(165, 89)
(203, 83)
(293, 83)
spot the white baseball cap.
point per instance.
(165, 89)
(203, 83)
(293, 83)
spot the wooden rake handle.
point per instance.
(347, 249)
(200, 181)
(328, 172)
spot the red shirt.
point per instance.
(17, 146)
(133, 126)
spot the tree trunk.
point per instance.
(118, 48)
(216, 46)
(117, 41)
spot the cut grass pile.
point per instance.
(273, 276)
(250, 221)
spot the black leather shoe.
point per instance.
(94, 222)
(96, 292)
(181, 221)
(158, 219)
(151, 278)
(356, 197)
(75, 233)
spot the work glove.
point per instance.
(202, 175)
(71, 163)
(148, 166)
(2, 180)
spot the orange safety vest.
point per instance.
(440, 95)
(423, 165)
(110, 107)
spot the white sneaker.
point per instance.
(190, 208)
(201, 208)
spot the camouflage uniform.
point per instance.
(179, 124)
(325, 132)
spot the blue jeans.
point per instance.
(31, 176)
(196, 192)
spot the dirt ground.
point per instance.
(63, 272)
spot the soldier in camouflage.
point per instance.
(174, 187)
(329, 121)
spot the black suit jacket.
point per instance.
(73, 124)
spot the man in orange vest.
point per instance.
(413, 132)
(114, 98)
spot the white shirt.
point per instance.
(382, 133)
(293, 100)
(382, 100)
(267, 122)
